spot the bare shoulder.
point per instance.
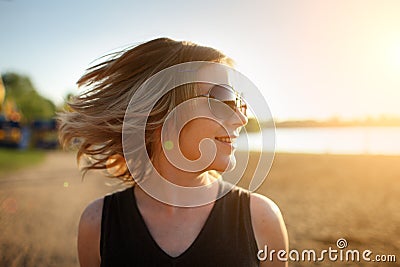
(268, 225)
(264, 209)
(89, 234)
(92, 213)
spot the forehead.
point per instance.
(210, 75)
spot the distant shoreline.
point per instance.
(311, 123)
(253, 126)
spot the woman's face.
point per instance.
(222, 131)
(224, 137)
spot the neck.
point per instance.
(178, 176)
(178, 188)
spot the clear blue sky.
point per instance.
(311, 59)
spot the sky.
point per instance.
(311, 59)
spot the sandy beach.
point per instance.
(322, 198)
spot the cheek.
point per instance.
(191, 136)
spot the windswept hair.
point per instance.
(94, 119)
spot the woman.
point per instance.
(189, 134)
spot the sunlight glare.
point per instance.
(397, 56)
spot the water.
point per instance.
(333, 140)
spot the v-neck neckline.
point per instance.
(195, 241)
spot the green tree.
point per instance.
(28, 101)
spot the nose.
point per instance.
(238, 119)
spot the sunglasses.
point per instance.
(222, 96)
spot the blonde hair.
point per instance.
(94, 121)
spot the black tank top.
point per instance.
(226, 239)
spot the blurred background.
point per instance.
(329, 71)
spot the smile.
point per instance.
(226, 140)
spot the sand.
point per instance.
(322, 198)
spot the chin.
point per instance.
(224, 164)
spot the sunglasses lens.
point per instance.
(223, 101)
